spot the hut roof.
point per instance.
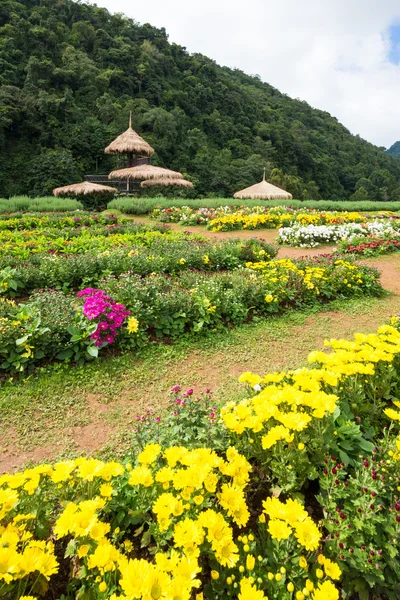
(86, 188)
(129, 141)
(163, 181)
(145, 172)
(263, 191)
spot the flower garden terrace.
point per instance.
(138, 305)
(67, 255)
(230, 218)
(180, 520)
(290, 491)
(295, 228)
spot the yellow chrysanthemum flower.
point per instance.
(132, 325)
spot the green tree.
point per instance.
(360, 194)
(70, 72)
(51, 169)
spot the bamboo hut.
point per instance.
(130, 143)
(144, 172)
(263, 191)
(86, 188)
(166, 181)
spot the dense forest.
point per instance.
(70, 73)
(394, 150)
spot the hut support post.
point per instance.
(130, 164)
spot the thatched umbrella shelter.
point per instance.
(86, 188)
(263, 191)
(165, 181)
(130, 143)
(143, 172)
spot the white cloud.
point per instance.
(331, 53)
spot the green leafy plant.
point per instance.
(18, 340)
(361, 514)
(191, 419)
(9, 281)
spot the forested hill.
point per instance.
(70, 73)
(394, 150)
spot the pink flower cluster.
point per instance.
(183, 402)
(111, 315)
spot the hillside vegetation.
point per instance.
(70, 73)
(394, 150)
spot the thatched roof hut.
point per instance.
(129, 143)
(86, 188)
(263, 191)
(164, 181)
(144, 172)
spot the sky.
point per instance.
(342, 56)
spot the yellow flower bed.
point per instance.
(253, 221)
(273, 220)
(187, 501)
(288, 402)
(283, 275)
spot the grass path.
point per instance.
(66, 411)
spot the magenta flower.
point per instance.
(98, 305)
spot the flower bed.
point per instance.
(54, 325)
(77, 241)
(297, 499)
(231, 218)
(310, 236)
(275, 220)
(370, 246)
(76, 219)
(186, 215)
(150, 252)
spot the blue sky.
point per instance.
(394, 37)
(342, 56)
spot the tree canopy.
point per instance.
(71, 72)
(394, 150)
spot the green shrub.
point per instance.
(134, 206)
(45, 204)
(95, 202)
